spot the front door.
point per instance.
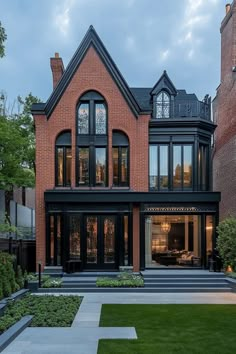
(100, 242)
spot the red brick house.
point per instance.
(123, 174)
(224, 112)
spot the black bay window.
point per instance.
(91, 158)
(63, 158)
(170, 175)
(120, 159)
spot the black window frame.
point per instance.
(171, 167)
(63, 142)
(120, 183)
(92, 140)
(162, 92)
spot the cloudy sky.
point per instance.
(144, 37)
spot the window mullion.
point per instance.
(182, 167)
(92, 123)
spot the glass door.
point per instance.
(100, 245)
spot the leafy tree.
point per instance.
(3, 37)
(226, 241)
(17, 147)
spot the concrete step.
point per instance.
(138, 290)
(179, 280)
(192, 275)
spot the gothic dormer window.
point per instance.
(162, 105)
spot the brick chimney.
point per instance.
(57, 69)
(227, 8)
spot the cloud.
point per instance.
(164, 54)
(62, 16)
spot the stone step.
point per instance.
(182, 279)
(192, 275)
(137, 290)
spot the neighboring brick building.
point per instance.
(224, 113)
(123, 174)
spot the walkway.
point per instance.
(83, 336)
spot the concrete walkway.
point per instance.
(83, 336)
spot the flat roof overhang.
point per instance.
(121, 196)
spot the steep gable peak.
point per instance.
(164, 83)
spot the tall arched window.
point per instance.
(120, 159)
(162, 105)
(91, 159)
(63, 160)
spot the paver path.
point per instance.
(83, 336)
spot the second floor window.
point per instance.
(63, 158)
(162, 105)
(92, 115)
(91, 159)
(170, 175)
(120, 159)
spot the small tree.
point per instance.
(226, 241)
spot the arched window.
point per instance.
(63, 160)
(92, 115)
(120, 159)
(91, 169)
(163, 105)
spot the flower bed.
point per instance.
(123, 280)
(47, 311)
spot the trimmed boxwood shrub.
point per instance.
(226, 241)
(47, 311)
(8, 283)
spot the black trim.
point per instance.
(91, 39)
(122, 196)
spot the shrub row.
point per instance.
(48, 311)
(10, 281)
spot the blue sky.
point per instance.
(144, 37)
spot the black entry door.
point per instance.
(100, 242)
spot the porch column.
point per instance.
(136, 239)
(148, 241)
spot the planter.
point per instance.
(232, 284)
(33, 285)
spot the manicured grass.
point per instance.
(48, 311)
(172, 329)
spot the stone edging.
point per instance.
(14, 296)
(11, 333)
(232, 283)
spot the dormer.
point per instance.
(162, 97)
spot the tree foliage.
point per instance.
(17, 145)
(226, 241)
(3, 38)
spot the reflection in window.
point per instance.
(63, 167)
(202, 167)
(187, 166)
(68, 166)
(163, 105)
(92, 229)
(84, 166)
(100, 118)
(52, 245)
(177, 167)
(153, 176)
(83, 119)
(74, 237)
(120, 166)
(126, 240)
(163, 167)
(109, 240)
(100, 166)
(60, 167)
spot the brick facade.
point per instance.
(91, 75)
(224, 111)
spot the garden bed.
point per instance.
(47, 311)
(123, 280)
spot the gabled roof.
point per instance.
(164, 83)
(90, 39)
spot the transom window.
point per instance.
(163, 105)
(91, 169)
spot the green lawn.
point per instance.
(167, 329)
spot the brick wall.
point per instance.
(224, 111)
(91, 75)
